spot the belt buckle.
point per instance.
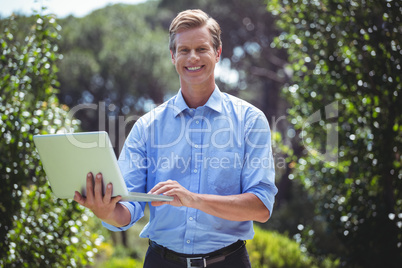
(190, 265)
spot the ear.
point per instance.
(218, 54)
(173, 57)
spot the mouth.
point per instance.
(194, 68)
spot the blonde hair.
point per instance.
(194, 18)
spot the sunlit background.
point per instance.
(63, 8)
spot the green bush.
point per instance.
(273, 250)
(122, 263)
(116, 256)
(50, 232)
(36, 229)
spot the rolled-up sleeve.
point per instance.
(258, 173)
(136, 212)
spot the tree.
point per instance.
(116, 58)
(346, 55)
(36, 229)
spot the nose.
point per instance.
(194, 56)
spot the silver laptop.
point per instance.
(68, 158)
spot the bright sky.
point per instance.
(61, 8)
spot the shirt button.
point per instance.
(196, 146)
(188, 241)
(191, 218)
(195, 170)
(197, 122)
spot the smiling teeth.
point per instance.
(193, 68)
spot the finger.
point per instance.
(108, 193)
(172, 192)
(98, 189)
(90, 186)
(155, 188)
(163, 186)
(163, 190)
(79, 199)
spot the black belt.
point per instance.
(201, 260)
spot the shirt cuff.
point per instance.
(267, 197)
(132, 207)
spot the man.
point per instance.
(207, 149)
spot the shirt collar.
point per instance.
(179, 104)
(214, 102)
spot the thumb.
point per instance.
(116, 199)
(78, 198)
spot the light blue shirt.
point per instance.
(221, 148)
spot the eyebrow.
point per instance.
(203, 45)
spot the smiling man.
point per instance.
(194, 55)
(204, 148)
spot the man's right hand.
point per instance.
(102, 205)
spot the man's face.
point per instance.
(195, 57)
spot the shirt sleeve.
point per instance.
(136, 212)
(132, 164)
(258, 173)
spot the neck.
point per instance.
(196, 97)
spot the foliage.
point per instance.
(50, 232)
(117, 55)
(271, 249)
(122, 263)
(35, 229)
(346, 55)
(116, 257)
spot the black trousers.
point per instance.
(238, 259)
